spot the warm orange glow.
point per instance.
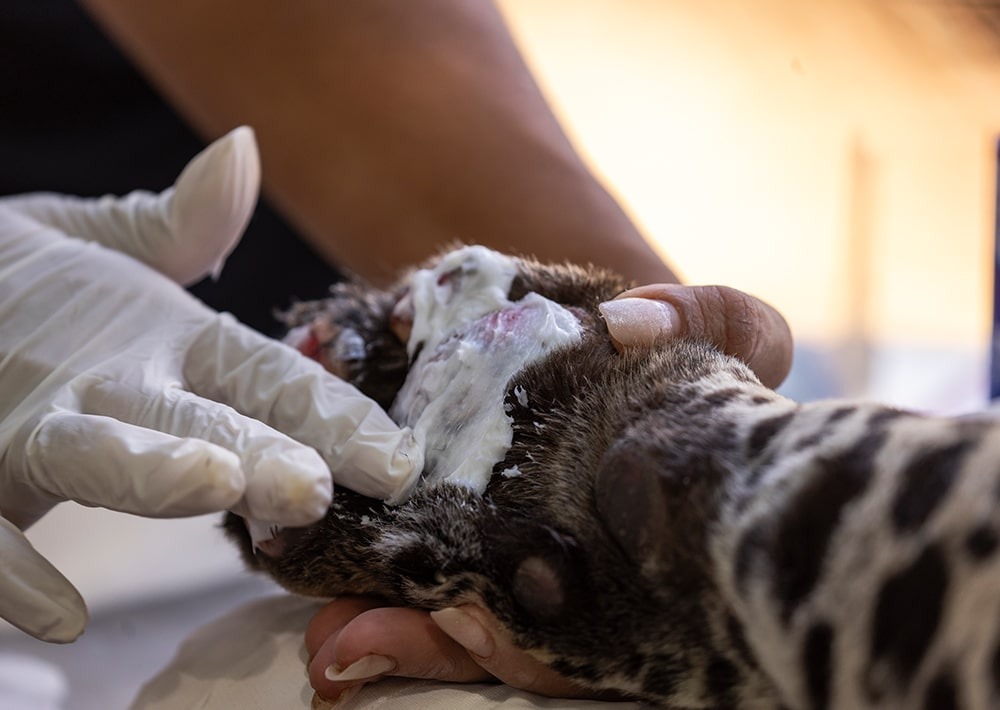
(776, 145)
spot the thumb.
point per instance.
(184, 232)
(735, 322)
(34, 596)
(213, 200)
(480, 634)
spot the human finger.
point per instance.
(34, 596)
(736, 322)
(286, 482)
(382, 641)
(184, 232)
(276, 384)
(332, 617)
(492, 649)
(123, 467)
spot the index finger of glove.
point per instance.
(270, 381)
(34, 596)
(286, 482)
(101, 461)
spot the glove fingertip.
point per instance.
(59, 617)
(208, 478)
(381, 464)
(34, 596)
(213, 201)
(290, 486)
(63, 625)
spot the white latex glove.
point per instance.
(112, 378)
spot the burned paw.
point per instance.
(351, 335)
(339, 350)
(401, 318)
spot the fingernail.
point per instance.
(640, 321)
(465, 630)
(364, 667)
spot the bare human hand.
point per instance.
(356, 640)
(736, 322)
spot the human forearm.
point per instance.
(386, 128)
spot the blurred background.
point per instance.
(837, 158)
(834, 158)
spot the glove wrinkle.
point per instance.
(286, 481)
(131, 469)
(268, 380)
(119, 389)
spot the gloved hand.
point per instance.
(112, 380)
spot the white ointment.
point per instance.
(468, 340)
(465, 285)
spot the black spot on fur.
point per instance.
(982, 542)
(803, 533)
(942, 693)
(764, 431)
(907, 614)
(760, 399)
(817, 658)
(698, 408)
(720, 678)
(665, 671)
(884, 416)
(749, 546)
(634, 663)
(722, 397)
(460, 586)
(735, 632)
(995, 670)
(924, 483)
(810, 440)
(575, 668)
(587, 670)
(416, 564)
(840, 413)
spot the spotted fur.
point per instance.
(682, 534)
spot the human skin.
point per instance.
(387, 130)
